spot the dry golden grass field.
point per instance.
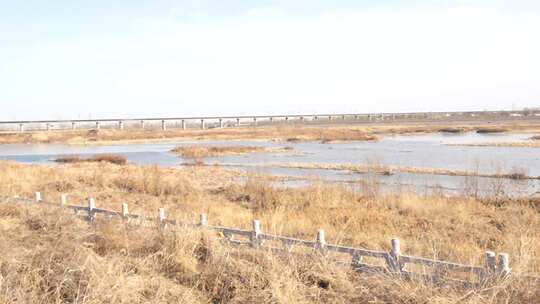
(52, 257)
(290, 132)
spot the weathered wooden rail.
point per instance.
(203, 122)
(393, 261)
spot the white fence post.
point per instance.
(255, 234)
(394, 257)
(490, 263)
(91, 207)
(504, 264)
(161, 218)
(63, 200)
(38, 197)
(356, 260)
(203, 220)
(125, 211)
(321, 240)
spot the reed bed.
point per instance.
(109, 158)
(213, 151)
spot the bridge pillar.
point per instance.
(202, 124)
(163, 125)
(302, 119)
(183, 124)
(73, 125)
(238, 122)
(221, 123)
(121, 125)
(98, 125)
(48, 126)
(255, 121)
(142, 124)
(21, 128)
(329, 117)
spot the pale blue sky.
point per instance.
(75, 59)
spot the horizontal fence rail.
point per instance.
(496, 266)
(254, 120)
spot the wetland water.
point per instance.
(439, 151)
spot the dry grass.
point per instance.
(281, 133)
(488, 130)
(515, 173)
(519, 144)
(452, 130)
(108, 158)
(325, 133)
(52, 257)
(212, 151)
(188, 191)
(57, 260)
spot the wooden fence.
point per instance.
(497, 266)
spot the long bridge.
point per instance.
(203, 122)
